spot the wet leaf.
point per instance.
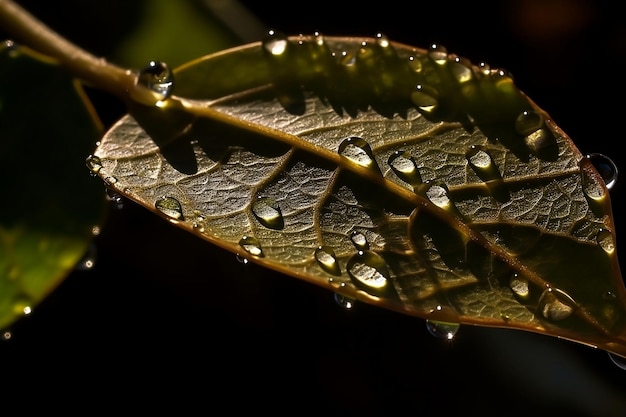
(403, 177)
(46, 221)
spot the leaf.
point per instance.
(46, 221)
(407, 178)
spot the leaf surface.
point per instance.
(402, 177)
(46, 221)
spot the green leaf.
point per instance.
(402, 177)
(47, 217)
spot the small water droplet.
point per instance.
(528, 121)
(438, 195)
(359, 240)
(369, 272)
(358, 151)
(327, 260)
(94, 164)
(345, 302)
(438, 53)
(157, 77)
(415, 64)
(171, 207)
(251, 245)
(531, 125)
(241, 259)
(519, 286)
(617, 360)
(605, 167)
(461, 69)
(605, 240)
(268, 212)
(382, 40)
(426, 99)
(110, 180)
(88, 260)
(275, 43)
(555, 304)
(591, 182)
(405, 167)
(442, 329)
(115, 198)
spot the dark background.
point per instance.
(165, 319)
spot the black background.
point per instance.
(167, 319)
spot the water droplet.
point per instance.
(369, 272)
(345, 302)
(382, 40)
(461, 69)
(438, 53)
(555, 304)
(358, 151)
(426, 99)
(251, 245)
(605, 240)
(591, 182)
(359, 240)
(530, 124)
(442, 329)
(94, 164)
(528, 121)
(268, 212)
(619, 361)
(605, 167)
(405, 167)
(482, 164)
(241, 259)
(110, 180)
(326, 259)
(88, 260)
(22, 305)
(170, 207)
(115, 198)
(415, 64)
(157, 77)
(519, 286)
(275, 43)
(438, 195)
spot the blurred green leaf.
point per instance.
(47, 216)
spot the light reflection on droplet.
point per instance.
(605, 167)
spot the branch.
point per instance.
(29, 31)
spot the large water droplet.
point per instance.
(442, 329)
(326, 259)
(555, 304)
(605, 240)
(369, 272)
(171, 207)
(405, 167)
(605, 167)
(275, 43)
(268, 212)
(157, 77)
(94, 164)
(358, 151)
(426, 99)
(251, 245)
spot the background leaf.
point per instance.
(47, 221)
(188, 302)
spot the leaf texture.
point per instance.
(403, 177)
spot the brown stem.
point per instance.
(28, 30)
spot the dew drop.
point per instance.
(442, 329)
(326, 259)
(405, 167)
(268, 212)
(555, 304)
(115, 198)
(359, 240)
(251, 245)
(344, 301)
(415, 64)
(438, 195)
(519, 286)
(426, 99)
(358, 151)
(369, 272)
(275, 43)
(438, 53)
(170, 207)
(461, 70)
(530, 124)
(604, 238)
(94, 164)
(157, 77)
(605, 167)
(592, 186)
